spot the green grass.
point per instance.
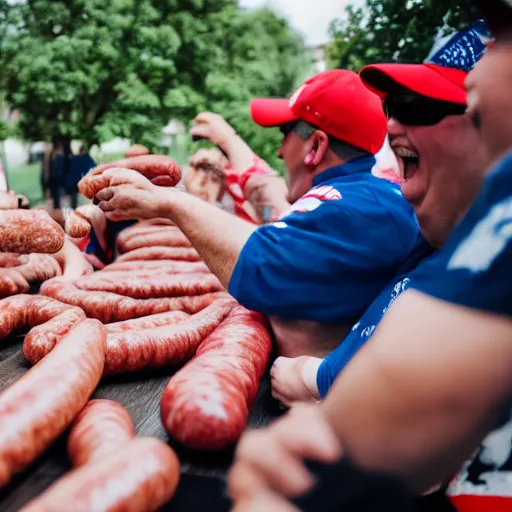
(25, 179)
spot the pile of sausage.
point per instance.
(157, 305)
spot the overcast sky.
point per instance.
(310, 17)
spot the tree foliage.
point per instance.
(96, 69)
(393, 30)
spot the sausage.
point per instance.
(41, 405)
(142, 477)
(167, 266)
(161, 346)
(136, 150)
(205, 406)
(154, 287)
(162, 237)
(28, 231)
(102, 428)
(148, 322)
(12, 283)
(110, 307)
(138, 229)
(48, 319)
(160, 170)
(160, 253)
(76, 225)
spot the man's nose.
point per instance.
(395, 127)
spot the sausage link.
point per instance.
(39, 407)
(161, 346)
(154, 288)
(76, 225)
(166, 266)
(166, 237)
(142, 477)
(110, 307)
(160, 170)
(160, 253)
(102, 428)
(23, 312)
(205, 406)
(12, 283)
(138, 229)
(148, 322)
(28, 231)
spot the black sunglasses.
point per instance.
(419, 111)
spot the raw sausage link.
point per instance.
(39, 407)
(76, 225)
(138, 229)
(205, 406)
(160, 253)
(160, 170)
(169, 345)
(110, 307)
(12, 283)
(23, 312)
(41, 340)
(167, 237)
(154, 288)
(167, 266)
(148, 322)
(102, 428)
(142, 477)
(28, 231)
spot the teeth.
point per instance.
(405, 153)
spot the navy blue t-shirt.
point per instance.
(337, 360)
(333, 253)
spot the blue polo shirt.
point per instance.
(333, 253)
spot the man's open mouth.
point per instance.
(410, 162)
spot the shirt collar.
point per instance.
(356, 166)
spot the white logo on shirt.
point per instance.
(486, 242)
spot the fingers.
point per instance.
(106, 194)
(273, 464)
(263, 502)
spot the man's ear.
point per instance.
(317, 147)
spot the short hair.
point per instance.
(341, 148)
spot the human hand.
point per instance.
(294, 380)
(130, 196)
(8, 200)
(267, 193)
(214, 128)
(263, 502)
(270, 461)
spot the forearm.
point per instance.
(239, 154)
(218, 236)
(419, 397)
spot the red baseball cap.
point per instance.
(337, 103)
(443, 74)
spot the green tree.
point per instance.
(96, 69)
(393, 30)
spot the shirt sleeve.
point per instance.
(324, 265)
(474, 269)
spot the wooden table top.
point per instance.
(202, 485)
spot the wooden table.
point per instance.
(202, 485)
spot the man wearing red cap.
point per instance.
(437, 375)
(347, 234)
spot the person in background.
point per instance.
(436, 378)
(319, 267)
(427, 108)
(79, 166)
(59, 168)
